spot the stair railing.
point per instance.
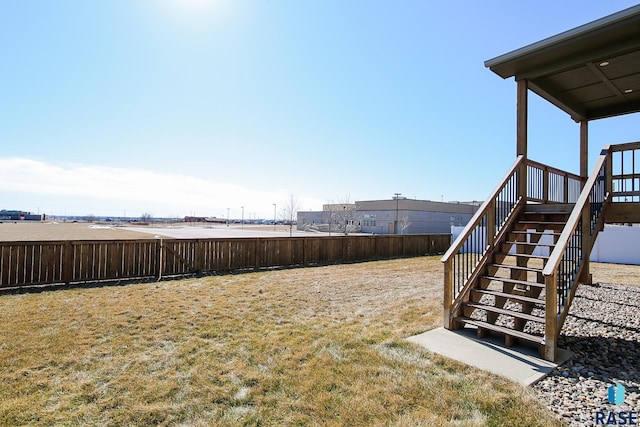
(546, 184)
(625, 173)
(471, 249)
(565, 263)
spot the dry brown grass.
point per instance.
(616, 273)
(314, 346)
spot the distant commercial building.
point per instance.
(394, 216)
(12, 215)
(332, 218)
(409, 216)
(213, 220)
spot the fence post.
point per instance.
(198, 258)
(67, 262)
(159, 250)
(304, 251)
(256, 253)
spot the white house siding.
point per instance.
(617, 244)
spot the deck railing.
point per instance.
(53, 262)
(625, 173)
(468, 254)
(565, 263)
(550, 185)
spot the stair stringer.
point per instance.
(474, 281)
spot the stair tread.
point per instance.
(523, 255)
(532, 221)
(547, 213)
(506, 312)
(516, 267)
(520, 298)
(548, 245)
(555, 207)
(543, 233)
(507, 331)
(516, 281)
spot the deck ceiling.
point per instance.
(591, 72)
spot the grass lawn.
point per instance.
(310, 346)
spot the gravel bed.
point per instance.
(602, 329)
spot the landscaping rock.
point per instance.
(602, 329)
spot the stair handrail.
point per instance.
(486, 214)
(477, 216)
(575, 216)
(588, 207)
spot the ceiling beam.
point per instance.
(564, 104)
(595, 69)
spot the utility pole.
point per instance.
(395, 225)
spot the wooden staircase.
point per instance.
(509, 296)
(515, 267)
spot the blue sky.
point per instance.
(176, 107)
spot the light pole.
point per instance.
(228, 216)
(346, 219)
(274, 217)
(395, 225)
(242, 221)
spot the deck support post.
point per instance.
(585, 276)
(522, 115)
(521, 135)
(448, 294)
(551, 318)
(584, 151)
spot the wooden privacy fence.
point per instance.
(51, 262)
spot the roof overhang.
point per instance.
(591, 72)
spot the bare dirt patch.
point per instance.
(20, 231)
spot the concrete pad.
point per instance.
(519, 363)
